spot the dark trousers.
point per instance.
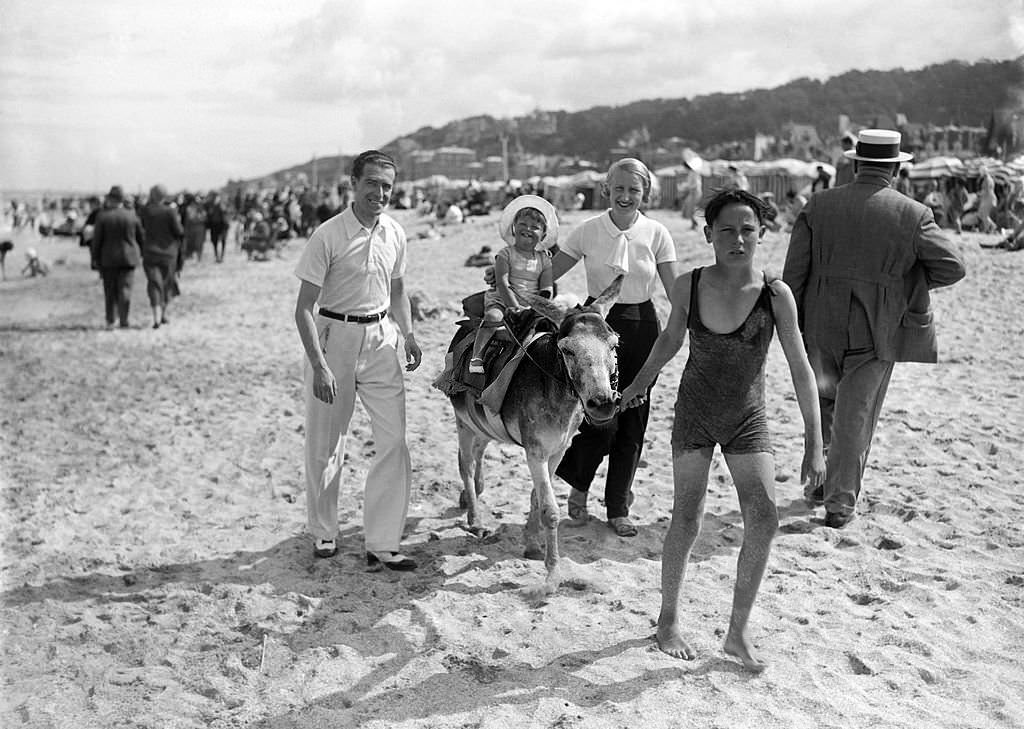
(218, 237)
(117, 292)
(622, 440)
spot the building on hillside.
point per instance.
(494, 168)
(453, 162)
(418, 164)
(537, 124)
(529, 166)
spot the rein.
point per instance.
(568, 380)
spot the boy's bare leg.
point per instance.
(754, 476)
(690, 471)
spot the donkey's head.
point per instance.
(587, 345)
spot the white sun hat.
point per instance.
(508, 215)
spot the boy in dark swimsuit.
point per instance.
(731, 311)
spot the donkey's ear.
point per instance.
(609, 296)
(547, 308)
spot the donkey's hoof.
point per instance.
(480, 532)
(534, 553)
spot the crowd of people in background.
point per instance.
(260, 222)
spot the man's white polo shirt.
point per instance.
(352, 265)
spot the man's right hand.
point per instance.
(489, 276)
(325, 387)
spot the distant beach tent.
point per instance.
(588, 182)
(777, 176)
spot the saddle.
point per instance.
(501, 357)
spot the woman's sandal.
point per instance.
(622, 526)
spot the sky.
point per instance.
(191, 93)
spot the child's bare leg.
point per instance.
(690, 471)
(754, 476)
(493, 319)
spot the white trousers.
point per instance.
(364, 360)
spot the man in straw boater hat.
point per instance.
(862, 258)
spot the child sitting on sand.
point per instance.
(528, 224)
(34, 266)
(731, 311)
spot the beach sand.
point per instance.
(156, 571)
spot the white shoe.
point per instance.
(325, 548)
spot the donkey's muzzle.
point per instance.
(600, 409)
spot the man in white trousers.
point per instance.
(353, 269)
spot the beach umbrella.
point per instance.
(436, 181)
(936, 168)
(692, 160)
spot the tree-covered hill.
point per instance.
(949, 93)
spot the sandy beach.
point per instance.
(156, 571)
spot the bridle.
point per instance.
(567, 380)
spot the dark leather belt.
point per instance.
(356, 318)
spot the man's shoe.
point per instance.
(836, 520)
(578, 507)
(391, 560)
(324, 548)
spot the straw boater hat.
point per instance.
(508, 215)
(878, 145)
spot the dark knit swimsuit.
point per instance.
(721, 393)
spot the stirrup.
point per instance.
(476, 366)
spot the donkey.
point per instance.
(565, 376)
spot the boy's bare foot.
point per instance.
(671, 642)
(739, 647)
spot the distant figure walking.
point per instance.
(861, 260)
(6, 247)
(844, 165)
(692, 190)
(987, 203)
(162, 253)
(193, 219)
(217, 222)
(115, 254)
(822, 180)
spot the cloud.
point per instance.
(193, 91)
